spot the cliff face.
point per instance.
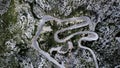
(20, 21)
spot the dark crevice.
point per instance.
(31, 7)
(118, 34)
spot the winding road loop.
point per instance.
(84, 21)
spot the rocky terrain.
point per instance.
(20, 21)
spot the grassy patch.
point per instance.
(7, 20)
